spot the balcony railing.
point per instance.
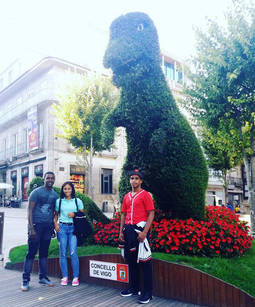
(237, 182)
(14, 152)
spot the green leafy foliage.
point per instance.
(220, 153)
(160, 140)
(221, 96)
(82, 110)
(35, 183)
(91, 209)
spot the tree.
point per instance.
(222, 93)
(80, 114)
(160, 141)
(219, 153)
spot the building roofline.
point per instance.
(41, 66)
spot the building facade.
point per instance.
(28, 136)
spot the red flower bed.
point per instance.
(221, 233)
(108, 234)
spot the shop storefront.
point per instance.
(77, 176)
(24, 182)
(14, 182)
(39, 170)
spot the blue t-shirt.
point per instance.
(68, 206)
(45, 201)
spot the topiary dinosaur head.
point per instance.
(133, 47)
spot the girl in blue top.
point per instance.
(65, 229)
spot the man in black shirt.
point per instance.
(40, 229)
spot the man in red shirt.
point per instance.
(137, 214)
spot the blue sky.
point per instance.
(78, 30)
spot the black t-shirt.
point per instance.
(44, 204)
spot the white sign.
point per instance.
(105, 270)
(108, 270)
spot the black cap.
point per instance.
(136, 172)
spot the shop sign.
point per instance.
(109, 270)
(13, 174)
(76, 169)
(39, 169)
(24, 172)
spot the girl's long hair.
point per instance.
(62, 194)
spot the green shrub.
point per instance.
(35, 183)
(160, 141)
(91, 209)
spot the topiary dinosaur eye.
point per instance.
(140, 27)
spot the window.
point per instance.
(3, 150)
(106, 181)
(169, 70)
(14, 144)
(24, 141)
(179, 76)
(1, 83)
(40, 135)
(10, 76)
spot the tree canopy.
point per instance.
(222, 93)
(81, 111)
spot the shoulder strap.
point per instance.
(76, 204)
(59, 205)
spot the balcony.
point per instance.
(234, 182)
(13, 153)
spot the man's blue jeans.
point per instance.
(65, 236)
(41, 242)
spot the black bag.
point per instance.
(82, 227)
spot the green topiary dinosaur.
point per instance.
(160, 140)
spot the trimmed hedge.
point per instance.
(160, 141)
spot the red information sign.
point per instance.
(122, 272)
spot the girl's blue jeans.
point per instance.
(66, 237)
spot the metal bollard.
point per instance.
(1, 231)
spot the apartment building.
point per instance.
(29, 144)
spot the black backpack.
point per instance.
(82, 227)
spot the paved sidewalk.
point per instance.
(15, 228)
(84, 295)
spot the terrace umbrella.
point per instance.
(4, 185)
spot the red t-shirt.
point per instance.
(137, 206)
